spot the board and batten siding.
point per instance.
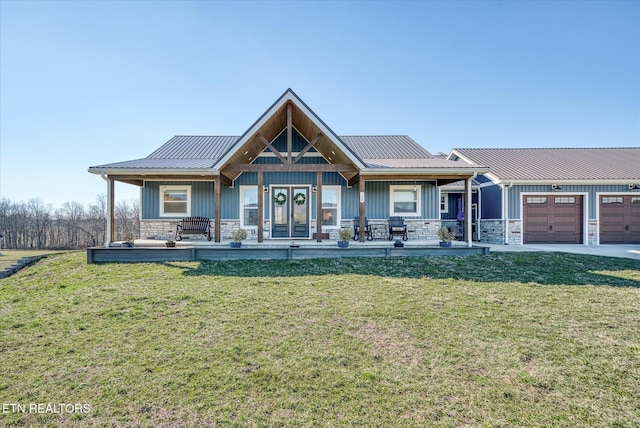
(201, 198)
(202, 203)
(515, 195)
(377, 196)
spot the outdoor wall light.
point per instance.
(555, 187)
(265, 189)
(633, 187)
(314, 189)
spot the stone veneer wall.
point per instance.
(492, 231)
(515, 232)
(592, 232)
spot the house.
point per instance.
(584, 196)
(289, 176)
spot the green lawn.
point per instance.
(510, 339)
(9, 257)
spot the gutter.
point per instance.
(154, 171)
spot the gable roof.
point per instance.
(555, 165)
(227, 156)
(289, 108)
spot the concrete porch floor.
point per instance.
(286, 243)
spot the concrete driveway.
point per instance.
(624, 251)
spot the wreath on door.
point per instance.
(299, 198)
(280, 198)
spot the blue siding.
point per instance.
(491, 203)
(201, 198)
(297, 144)
(377, 199)
(202, 193)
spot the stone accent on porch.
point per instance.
(492, 231)
(515, 232)
(592, 232)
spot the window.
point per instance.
(565, 200)
(175, 201)
(444, 203)
(405, 200)
(635, 200)
(612, 199)
(330, 206)
(249, 206)
(536, 199)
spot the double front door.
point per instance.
(289, 212)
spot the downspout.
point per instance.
(506, 212)
(479, 214)
(109, 208)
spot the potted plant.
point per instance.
(238, 235)
(345, 236)
(170, 243)
(446, 236)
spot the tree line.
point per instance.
(35, 224)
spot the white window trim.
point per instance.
(338, 207)
(393, 188)
(172, 187)
(242, 189)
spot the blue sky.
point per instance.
(91, 82)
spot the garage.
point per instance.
(620, 219)
(552, 219)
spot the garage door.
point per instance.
(620, 219)
(552, 219)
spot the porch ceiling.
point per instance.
(273, 127)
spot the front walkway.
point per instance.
(609, 250)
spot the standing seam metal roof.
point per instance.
(559, 164)
(206, 150)
(385, 147)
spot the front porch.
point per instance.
(145, 250)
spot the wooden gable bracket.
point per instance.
(273, 149)
(307, 148)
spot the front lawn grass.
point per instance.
(9, 257)
(510, 339)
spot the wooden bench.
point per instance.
(193, 226)
(397, 227)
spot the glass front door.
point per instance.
(289, 212)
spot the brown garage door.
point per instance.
(620, 219)
(552, 219)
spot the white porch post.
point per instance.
(468, 211)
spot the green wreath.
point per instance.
(280, 198)
(299, 198)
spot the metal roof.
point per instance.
(385, 147)
(194, 147)
(148, 163)
(545, 164)
(418, 163)
(203, 151)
